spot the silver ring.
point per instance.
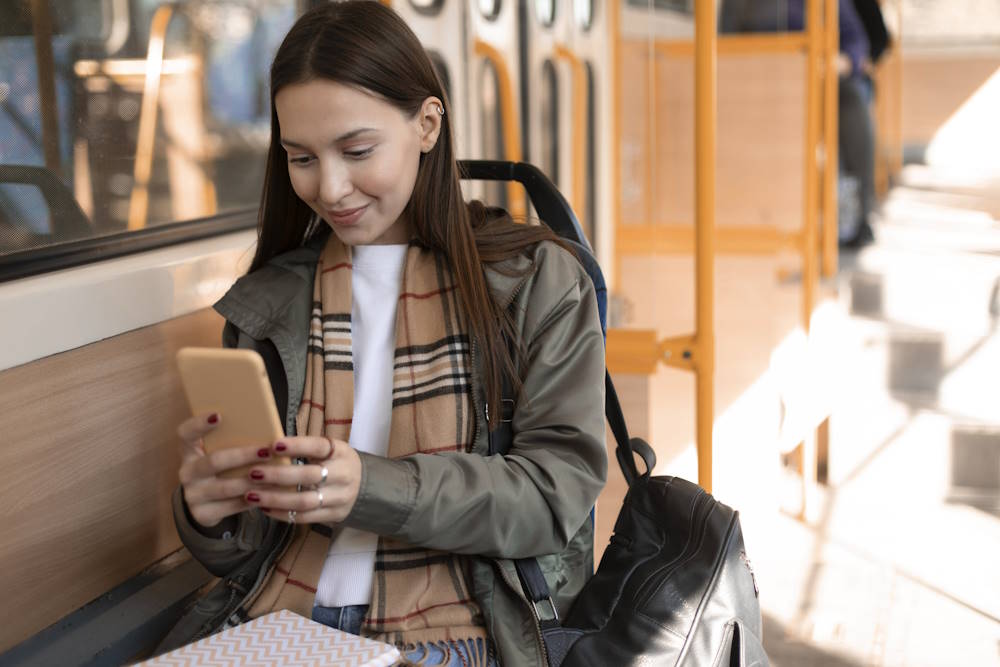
(319, 497)
(291, 516)
(323, 475)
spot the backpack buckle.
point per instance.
(554, 616)
(506, 410)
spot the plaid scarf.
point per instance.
(418, 595)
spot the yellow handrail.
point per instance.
(706, 112)
(781, 42)
(830, 79)
(732, 239)
(810, 264)
(614, 8)
(508, 117)
(579, 145)
(138, 205)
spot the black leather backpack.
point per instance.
(674, 586)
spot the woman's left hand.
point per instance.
(329, 482)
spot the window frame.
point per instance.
(46, 259)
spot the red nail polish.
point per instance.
(253, 498)
(213, 418)
(280, 447)
(264, 453)
(256, 474)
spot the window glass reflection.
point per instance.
(126, 157)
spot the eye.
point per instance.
(300, 160)
(359, 154)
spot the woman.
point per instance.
(385, 346)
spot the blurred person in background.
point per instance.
(863, 39)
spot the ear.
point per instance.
(429, 118)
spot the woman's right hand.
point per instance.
(209, 497)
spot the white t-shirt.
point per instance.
(347, 575)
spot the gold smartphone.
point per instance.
(234, 384)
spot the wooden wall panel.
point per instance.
(761, 125)
(635, 140)
(88, 460)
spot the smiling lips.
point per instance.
(348, 216)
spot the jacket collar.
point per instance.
(259, 302)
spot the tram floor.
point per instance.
(896, 562)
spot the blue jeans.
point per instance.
(452, 654)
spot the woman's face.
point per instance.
(353, 157)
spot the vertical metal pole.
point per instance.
(830, 109)
(810, 264)
(617, 87)
(705, 121)
(897, 107)
(831, 34)
(41, 25)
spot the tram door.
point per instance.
(440, 27)
(560, 47)
(546, 91)
(494, 76)
(589, 47)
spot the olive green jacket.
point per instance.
(533, 501)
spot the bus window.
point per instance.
(545, 11)
(681, 6)
(493, 147)
(583, 13)
(490, 9)
(132, 154)
(548, 107)
(428, 7)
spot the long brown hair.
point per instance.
(366, 45)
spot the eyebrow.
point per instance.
(344, 137)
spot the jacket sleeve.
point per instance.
(531, 501)
(220, 555)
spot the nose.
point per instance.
(335, 183)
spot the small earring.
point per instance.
(439, 109)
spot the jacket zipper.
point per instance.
(534, 617)
(539, 639)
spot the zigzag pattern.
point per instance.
(281, 639)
